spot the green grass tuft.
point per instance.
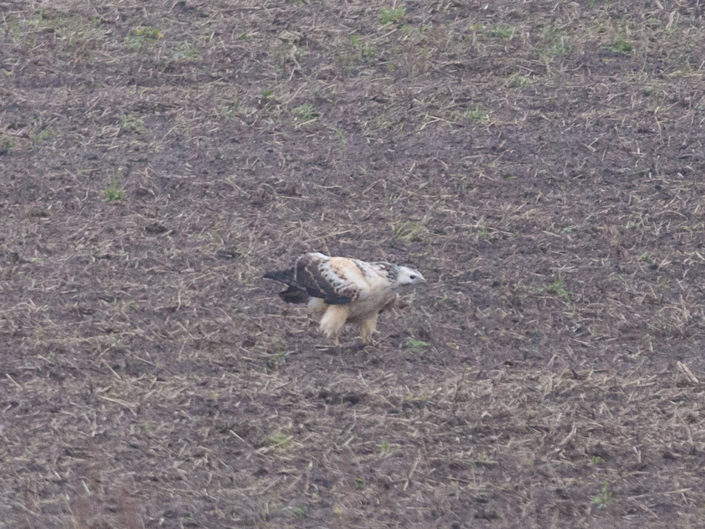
(186, 52)
(558, 288)
(113, 193)
(604, 498)
(391, 15)
(475, 114)
(365, 49)
(306, 113)
(231, 109)
(621, 46)
(132, 123)
(416, 344)
(412, 231)
(6, 144)
(501, 31)
(43, 135)
(279, 439)
(143, 37)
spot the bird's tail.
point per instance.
(293, 294)
(283, 276)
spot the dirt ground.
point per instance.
(540, 162)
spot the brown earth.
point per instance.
(540, 162)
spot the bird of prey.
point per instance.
(339, 290)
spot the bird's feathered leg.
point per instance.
(333, 320)
(368, 327)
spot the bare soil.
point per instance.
(540, 162)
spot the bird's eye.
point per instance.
(412, 276)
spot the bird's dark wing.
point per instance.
(334, 280)
(314, 273)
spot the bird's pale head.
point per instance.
(408, 276)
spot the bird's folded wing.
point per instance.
(333, 280)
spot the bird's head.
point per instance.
(408, 276)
